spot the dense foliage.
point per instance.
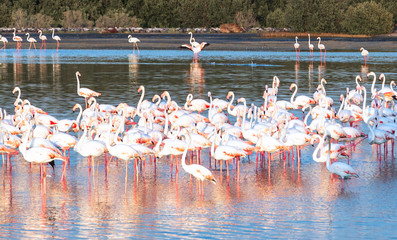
(350, 16)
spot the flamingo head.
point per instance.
(209, 94)
(292, 86)
(78, 74)
(15, 90)
(371, 74)
(241, 100)
(318, 38)
(361, 49)
(382, 75)
(359, 78)
(229, 94)
(129, 36)
(141, 88)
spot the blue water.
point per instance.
(283, 201)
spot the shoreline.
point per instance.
(218, 41)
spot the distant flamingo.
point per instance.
(321, 47)
(56, 38)
(311, 47)
(43, 40)
(341, 169)
(17, 39)
(198, 171)
(85, 92)
(4, 40)
(195, 47)
(134, 42)
(31, 40)
(365, 54)
(296, 46)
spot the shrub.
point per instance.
(40, 21)
(117, 19)
(75, 19)
(276, 19)
(19, 18)
(246, 19)
(368, 18)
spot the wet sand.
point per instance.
(234, 42)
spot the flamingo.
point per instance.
(55, 37)
(198, 105)
(4, 40)
(85, 92)
(311, 47)
(301, 100)
(365, 54)
(341, 169)
(134, 42)
(17, 39)
(321, 47)
(31, 40)
(198, 171)
(195, 47)
(43, 40)
(296, 46)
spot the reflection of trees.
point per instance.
(310, 76)
(364, 69)
(31, 62)
(56, 67)
(43, 67)
(321, 72)
(196, 78)
(297, 67)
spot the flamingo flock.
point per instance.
(184, 133)
(30, 40)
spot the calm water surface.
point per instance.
(287, 201)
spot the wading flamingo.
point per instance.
(85, 92)
(134, 42)
(31, 40)
(17, 39)
(43, 40)
(198, 171)
(311, 47)
(56, 38)
(341, 169)
(296, 46)
(195, 47)
(4, 40)
(321, 47)
(365, 54)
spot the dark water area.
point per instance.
(283, 200)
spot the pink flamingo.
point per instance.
(85, 92)
(311, 47)
(56, 38)
(296, 46)
(321, 47)
(31, 40)
(365, 54)
(43, 40)
(134, 42)
(17, 39)
(4, 40)
(195, 47)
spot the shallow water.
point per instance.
(285, 200)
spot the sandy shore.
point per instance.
(235, 42)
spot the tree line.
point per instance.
(333, 16)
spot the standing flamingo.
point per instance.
(43, 40)
(195, 47)
(321, 47)
(17, 39)
(198, 171)
(365, 54)
(134, 42)
(31, 40)
(85, 92)
(311, 47)
(341, 169)
(4, 40)
(56, 38)
(296, 46)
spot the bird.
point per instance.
(31, 40)
(55, 37)
(43, 40)
(85, 92)
(134, 42)
(195, 47)
(343, 170)
(311, 47)
(365, 54)
(321, 47)
(296, 46)
(198, 171)
(17, 39)
(4, 40)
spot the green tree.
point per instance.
(368, 18)
(276, 19)
(5, 14)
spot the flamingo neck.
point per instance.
(139, 113)
(229, 107)
(78, 84)
(373, 84)
(328, 161)
(293, 95)
(53, 31)
(315, 153)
